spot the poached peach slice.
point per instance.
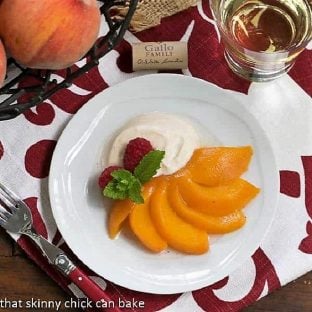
(142, 224)
(179, 234)
(218, 165)
(211, 224)
(216, 201)
(118, 214)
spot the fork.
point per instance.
(15, 217)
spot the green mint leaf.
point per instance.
(122, 175)
(149, 165)
(113, 191)
(135, 193)
(124, 178)
(124, 185)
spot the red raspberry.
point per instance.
(136, 149)
(106, 177)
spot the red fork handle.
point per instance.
(92, 291)
(62, 262)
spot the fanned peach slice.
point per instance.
(217, 201)
(179, 234)
(118, 214)
(211, 224)
(218, 165)
(141, 222)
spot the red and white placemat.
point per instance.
(283, 107)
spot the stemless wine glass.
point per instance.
(262, 38)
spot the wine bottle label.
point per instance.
(159, 55)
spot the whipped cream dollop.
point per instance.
(170, 133)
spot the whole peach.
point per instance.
(49, 34)
(3, 64)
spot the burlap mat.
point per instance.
(150, 12)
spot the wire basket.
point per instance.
(45, 86)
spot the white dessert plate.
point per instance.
(81, 212)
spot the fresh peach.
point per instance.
(49, 34)
(3, 64)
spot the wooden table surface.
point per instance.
(20, 279)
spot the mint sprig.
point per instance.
(127, 185)
(135, 193)
(124, 185)
(149, 165)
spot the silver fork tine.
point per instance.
(9, 193)
(4, 215)
(8, 198)
(5, 201)
(2, 222)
